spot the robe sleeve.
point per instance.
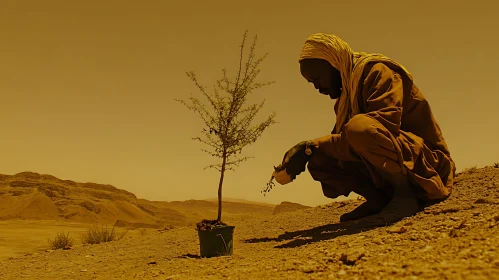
(381, 98)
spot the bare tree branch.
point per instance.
(227, 120)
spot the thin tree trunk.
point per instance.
(222, 172)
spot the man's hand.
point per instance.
(296, 158)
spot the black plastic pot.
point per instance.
(216, 242)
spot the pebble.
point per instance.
(353, 256)
(397, 230)
(377, 241)
(481, 200)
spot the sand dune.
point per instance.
(29, 195)
(287, 206)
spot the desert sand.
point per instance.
(35, 207)
(454, 239)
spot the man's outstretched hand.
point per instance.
(296, 159)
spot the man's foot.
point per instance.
(370, 207)
(402, 205)
(376, 200)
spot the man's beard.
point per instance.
(335, 93)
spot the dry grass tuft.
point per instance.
(61, 241)
(97, 235)
(496, 165)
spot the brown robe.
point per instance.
(395, 132)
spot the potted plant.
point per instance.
(228, 128)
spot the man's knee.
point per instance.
(374, 143)
(361, 132)
(319, 162)
(329, 191)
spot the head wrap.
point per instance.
(350, 64)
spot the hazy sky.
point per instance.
(87, 87)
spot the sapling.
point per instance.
(228, 119)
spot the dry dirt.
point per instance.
(454, 239)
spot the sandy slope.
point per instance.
(454, 239)
(29, 195)
(19, 237)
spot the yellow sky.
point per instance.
(87, 87)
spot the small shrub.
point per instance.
(97, 235)
(61, 241)
(496, 165)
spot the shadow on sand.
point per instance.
(189, 256)
(331, 231)
(327, 232)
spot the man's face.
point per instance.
(325, 77)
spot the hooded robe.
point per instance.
(384, 125)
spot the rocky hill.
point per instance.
(287, 206)
(30, 195)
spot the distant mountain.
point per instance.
(287, 206)
(29, 195)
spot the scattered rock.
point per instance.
(342, 204)
(397, 230)
(151, 262)
(454, 233)
(481, 200)
(486, 201)
(165, 228)
(352, 257)
(377, 241)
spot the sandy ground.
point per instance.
(21, 237)
(454, 239)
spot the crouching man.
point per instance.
(386, 144)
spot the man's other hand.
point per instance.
(296, 159)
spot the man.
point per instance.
(386, 144)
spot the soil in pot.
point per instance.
(215, 238)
